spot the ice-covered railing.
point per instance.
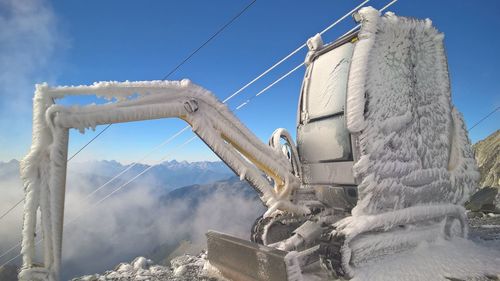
(43, 170)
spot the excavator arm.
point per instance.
(265, 167)
(212, 121)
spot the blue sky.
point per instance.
(79, 42)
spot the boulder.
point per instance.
(484, 200)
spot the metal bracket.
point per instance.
(191, 105)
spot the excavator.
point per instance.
(381, 163)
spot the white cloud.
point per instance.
(10, 226)
(133, 222)
(27, 43)
(29, 46)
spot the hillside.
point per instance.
(8, 273)
(221, 197)
(167, 175)
(487, 154)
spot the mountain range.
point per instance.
(165, 176)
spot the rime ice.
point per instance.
(413, 168)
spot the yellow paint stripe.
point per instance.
(277, 179)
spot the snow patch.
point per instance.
(461, 259)
(182, 268)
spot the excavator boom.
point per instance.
(211, 120)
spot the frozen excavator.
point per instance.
(382, 161)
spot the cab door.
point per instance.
(323, 141)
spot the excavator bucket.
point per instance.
(242, 260)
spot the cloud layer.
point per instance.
(136, 221)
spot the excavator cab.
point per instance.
(327, 184)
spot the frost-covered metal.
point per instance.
(382, 162)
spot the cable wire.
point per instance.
(178, 66)
(484, 118)
(293, 52)
(10, 250)
(11, 208)
(359, 25)
(270, 85)
(134, 178)
(93, 139)
(209, 39)
(100, 201)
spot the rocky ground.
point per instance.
(485, 227)
(182, 268)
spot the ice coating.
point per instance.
(355, 102)
(414, 148)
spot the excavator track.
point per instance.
(330, 256)
(275, 228)
(258, 229)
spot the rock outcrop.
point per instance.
(487, 154)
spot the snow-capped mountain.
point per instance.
(167, 175)
(87, 176)
(9, 169)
